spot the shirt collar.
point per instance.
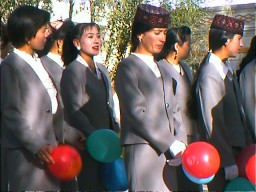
(56, 58)
(27, 57)
(83, 62)
(219, 65)
(150, 62)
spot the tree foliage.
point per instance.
(7, 6)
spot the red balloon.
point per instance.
(67, 164)
(243, 157)
(250, 169)
(201, 160)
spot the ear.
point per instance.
(76, 43)
(60, 42)
(227, 42)
(176, 46)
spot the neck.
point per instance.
(170, 59)
(26, 49)
(221, 53)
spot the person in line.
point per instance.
(52, 62)
(5, 47)
(246, 76)
(217, 98)
(87, 94)
(150, 125)
(177, 48)
(5, 42)
(29, 105)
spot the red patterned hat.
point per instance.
(155, 17)
(229, 24)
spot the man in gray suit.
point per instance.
(221, 115)
(29, 104)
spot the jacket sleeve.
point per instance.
(72, 96)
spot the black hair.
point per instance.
(4, 35)
(218, 38)
(251, 54)
(24, 22)
(56, 35)
(70, 52)
(137, 29)
(174, 35)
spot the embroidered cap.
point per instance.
(229, 24)
(155, 17)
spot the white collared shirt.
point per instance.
(56, 58)
(219, 65)
(82, 61)
(36, 65)
(150, 62)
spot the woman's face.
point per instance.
(184, 50)
(90, 41)
(38, 42)
(152, 42)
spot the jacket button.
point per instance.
(167, 105)
(108, 102)
(48, 110)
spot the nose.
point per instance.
(241, 43)
(162, 37)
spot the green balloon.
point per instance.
(104, 145)
(240, 184)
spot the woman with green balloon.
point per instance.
(87, 97)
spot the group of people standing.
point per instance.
(53, 92)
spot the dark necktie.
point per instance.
(234, 81)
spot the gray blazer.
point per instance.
(71, 135)
(247, 84)
(27, 124)
(182, 91)
(220, 121)
(88, 101)
(147, 106)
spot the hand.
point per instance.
(44, 154)
(176, 161)
(177, 147)
(80, 144)
(231, 172)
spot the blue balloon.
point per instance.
(104, 145)
(113, 175)
(198, 180)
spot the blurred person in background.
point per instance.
(247, 76)
(177, 48)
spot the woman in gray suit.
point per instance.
(87, 94)
(54, 65)
(246, 76)
(176, 48)
(218, 99)
(150, 119)
(29, 105)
